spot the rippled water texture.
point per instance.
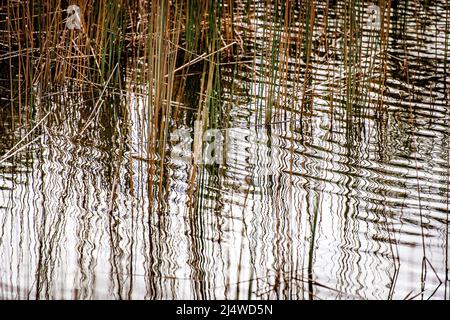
(344, 200)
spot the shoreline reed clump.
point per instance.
(161, 44)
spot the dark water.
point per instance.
(348, 200)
